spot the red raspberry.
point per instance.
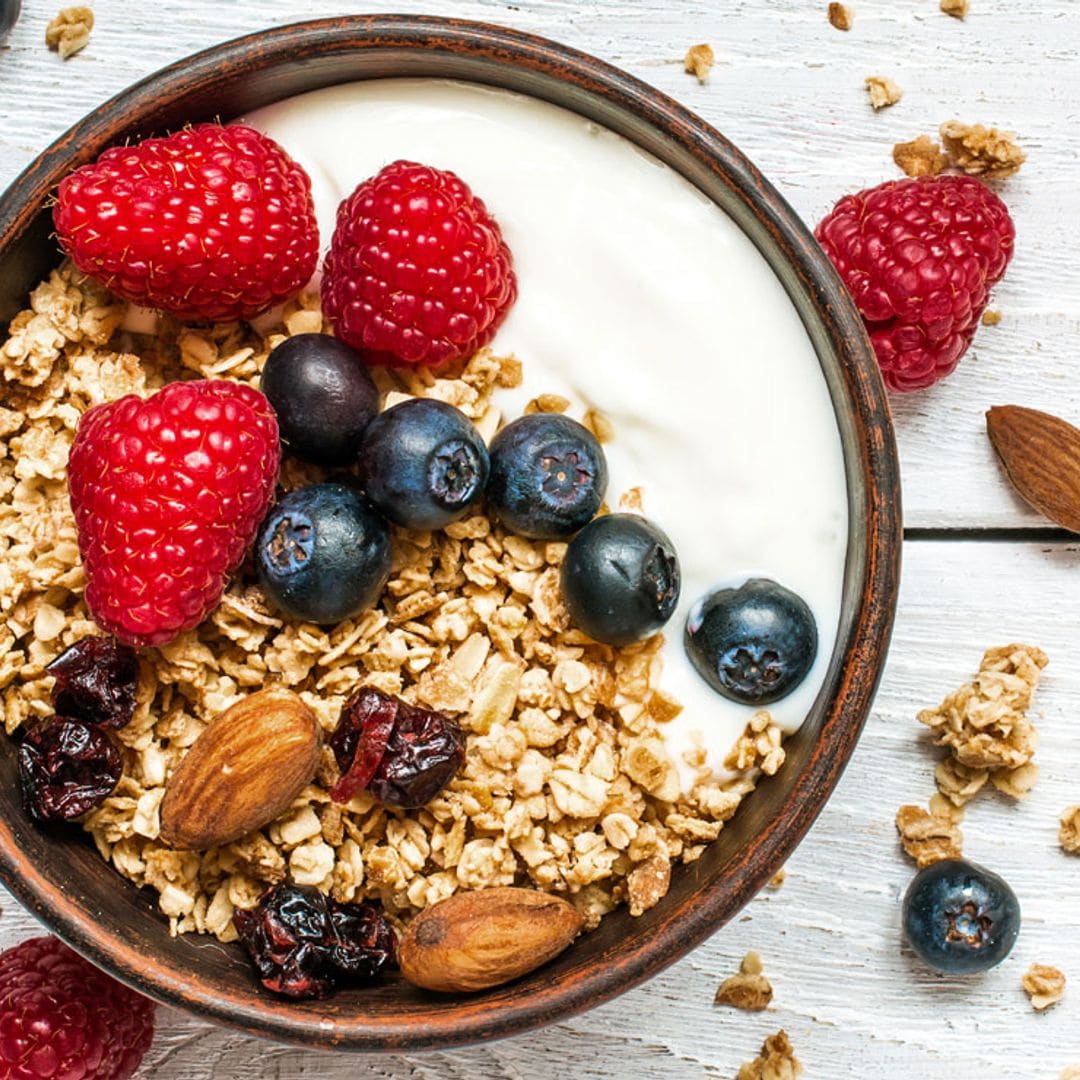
(168, 493)
(920, 257)
(62, 1018)
(209, 223)
(418, 272)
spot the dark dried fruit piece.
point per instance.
(303, 944)
(402, 754)
(66, 768)
(95, 681)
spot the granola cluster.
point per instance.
(1044, 986)
(777, 1061)
(568, 785)
(970, 148)
(69, 32)
(748, 989)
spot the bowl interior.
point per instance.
(60, 877)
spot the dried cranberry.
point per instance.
(95, 681)
(425, 751)
(360, 738)
(66, 767)
(303, 944)
(402, 754)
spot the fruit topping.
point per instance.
(423, 464)
(919, 257)
(323, 396)
(167, 494)
(62, 1018)
(417, 272)
(402, 754)
(242, 772)
(753, 644)
(620, 579)
(214, 222)
(959, 917)
(323, 554)
(474, 940)
(66, 767)
(548, 476)
(9, 16)
(95, 681)
(304, 944)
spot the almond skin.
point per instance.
(474, 940)
(1041, 456)
(242, 772)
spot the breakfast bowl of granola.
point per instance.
(450, 533)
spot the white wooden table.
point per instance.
(980, 568)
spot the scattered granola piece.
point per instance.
(883, 91)
(943, 807)
(957, 782)
(699, 61)
(1071, 1072)
(841, 16)
(1045, 985)
(984, 724)
(1069, 831)
(778, 878)
(956, 8)
(69, 32)
(777, 1061)
(547, 403)
(991, 317)
(920, 157)
(927, 837)
(749, 989)
(981, 151)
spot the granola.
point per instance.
(928, 837)
(956, 8)
(883, 91)
(69, 32)
(749, 989)
(920, 157)
(840, 16)
(1044, 985)
(991, 317)
(981, 151)
(699, 60)
(567, 785)
(777, 1061)
(1069, 831)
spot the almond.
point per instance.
(474, 940)
(1041, 456)
(242, 772)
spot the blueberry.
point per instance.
(548, 476)
(620, 579)
(323, 554)
(959, 917)
(423, 464)
(323, 396)
(753, 644)
(9, 16)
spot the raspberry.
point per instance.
(213, 222)
(168, 493)
(60, 1017)
(920, 257)
(417, 272)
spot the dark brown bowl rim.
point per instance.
(869, 448)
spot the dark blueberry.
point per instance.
(66, 768)
(303, 944)
(620, 579)
(423, 464)
(323, 396)
(323, 554)
(402, 754)
(548, 476)
(959, 917)
(753, 644)
(95, 681)
(9, 16)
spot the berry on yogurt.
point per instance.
(620, 579)
(423, 464)
(548, 476)
(960, 917)
(323, 395)
(323, 554)
(753, 644)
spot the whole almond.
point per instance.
(242, 772)
(474, 940)
(1041, 456)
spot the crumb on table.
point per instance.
(981, 151)
(1044, 985)
(840, 16)
(883, 91)
(69, 32)
(956, 8)
(920, 157)
(1069, 831)
(991, 317)
(748, 989)
(777, 1061)
(699, 60)
(928, 837)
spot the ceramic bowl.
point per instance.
(59, 876)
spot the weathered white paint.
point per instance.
(788, 89)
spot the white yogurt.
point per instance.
(639, 297)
